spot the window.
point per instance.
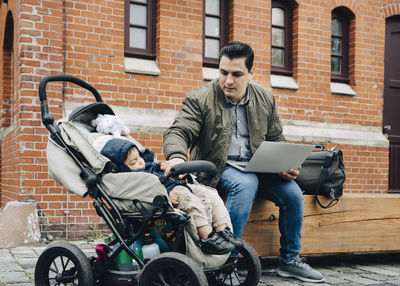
(140, 17)
(340, 46)
(281, 38)
(215, 30)
(8, 73)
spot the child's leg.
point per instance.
(220, 215)
(221, 221)
(194, 207)
(204, 231)
(211, 241)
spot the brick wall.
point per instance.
(85, 39)
(367, 166)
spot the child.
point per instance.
(186, 197)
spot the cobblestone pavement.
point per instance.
(344, 269)
(17, 267)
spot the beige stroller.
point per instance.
(82, 170)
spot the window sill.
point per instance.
(141, 66)
(210, 73)
(283, 82)
(342, 89)
(333, 133)
(137, 119)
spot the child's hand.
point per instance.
(174, 197)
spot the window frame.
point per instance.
(343, 76)
(150, 51)
(224, 32)
(287, 68)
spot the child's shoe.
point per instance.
(228, 236)
(215, 244)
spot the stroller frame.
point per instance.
(128, 227)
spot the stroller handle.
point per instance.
(69, 78)
(205, 169)
(47, 119)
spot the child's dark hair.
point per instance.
(237, 49)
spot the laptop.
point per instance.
(274, 157)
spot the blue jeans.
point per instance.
(241, 190)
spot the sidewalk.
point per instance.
(17, 266)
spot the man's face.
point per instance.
(134, 161)
(234, 77)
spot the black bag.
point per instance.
(323, 173)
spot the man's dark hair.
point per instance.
(237, 49)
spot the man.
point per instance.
(229, 118)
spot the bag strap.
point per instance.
(322, 177)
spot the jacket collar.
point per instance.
(224, 99)
(244, 100)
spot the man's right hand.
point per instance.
(167, 165)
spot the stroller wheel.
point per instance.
(244, 270)
(63, 263)
(172, 269)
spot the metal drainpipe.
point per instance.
(64, 15)
(67, 212)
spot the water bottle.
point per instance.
(124, 261)
(107, 239)
(161, 243)
(150, 248)
(137, 247)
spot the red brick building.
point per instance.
(323, 60)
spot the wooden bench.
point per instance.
(358, 223)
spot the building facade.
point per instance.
(323, 60)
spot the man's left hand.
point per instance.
(291, 174)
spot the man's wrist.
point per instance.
(177, 156)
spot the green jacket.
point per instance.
(204, 125)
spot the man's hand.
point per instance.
(167, 165)
(291, 174)
(174, 197)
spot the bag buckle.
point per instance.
(332, 194)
